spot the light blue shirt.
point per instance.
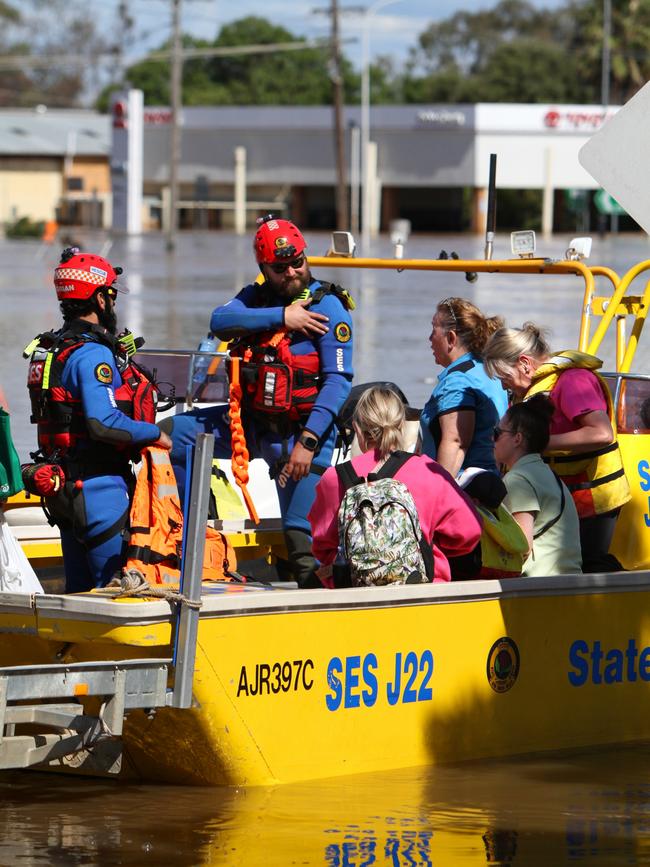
(465, 385)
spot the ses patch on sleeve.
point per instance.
(342, 332)
(104, 373)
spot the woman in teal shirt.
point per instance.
(457, 423)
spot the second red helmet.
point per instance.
(277, 240)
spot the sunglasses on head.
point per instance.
(281, 267)
(502, 430)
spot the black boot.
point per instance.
(301, 560)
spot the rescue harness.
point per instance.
(57, 414)
(271, 383)
(276, 382)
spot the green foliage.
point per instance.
(630, 36)
(510, 53)
(24, 227)
(527, 70)
(293, 77)
(46, 27)
(8, 12)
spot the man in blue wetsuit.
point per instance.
(294, 334)
(94, 409)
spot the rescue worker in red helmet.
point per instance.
(94, 409)
(294, 333)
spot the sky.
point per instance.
(392, 29)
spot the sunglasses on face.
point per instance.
(502, 430)
(281, 267)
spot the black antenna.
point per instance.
(491, 224)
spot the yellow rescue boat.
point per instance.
(252, 685)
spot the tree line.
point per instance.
(512, 52)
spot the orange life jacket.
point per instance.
(155, 544)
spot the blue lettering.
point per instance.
(596, 659)
(644, 473)
(613, 665)
(411, 662)
(370, 679)
(614, 669)
(426, 665)
(334, 667)
(631, 653)
(578, 678)
(352, 664)
(644, 664)
(393, 690)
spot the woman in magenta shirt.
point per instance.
(447, 516)
(582, 448)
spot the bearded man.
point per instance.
(94, 411)
(294, 334)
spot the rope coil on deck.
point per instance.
(132, 583)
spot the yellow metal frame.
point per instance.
(605, 307)
(486, 266)
(620, 306)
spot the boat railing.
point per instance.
(187, 618)
(187, 376)
(615, 307)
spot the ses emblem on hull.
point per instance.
(503, 664)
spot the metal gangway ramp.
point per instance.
(48, 697)
(123, 686)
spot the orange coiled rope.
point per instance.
(238, 438)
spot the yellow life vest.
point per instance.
(224, 501)
(504, 546)
(596, 479)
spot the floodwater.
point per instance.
(591, 808)
(586, 809)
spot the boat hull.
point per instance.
(297, 685)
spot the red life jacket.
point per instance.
(57, 413)
(274, 380)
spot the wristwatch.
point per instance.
(308, 441)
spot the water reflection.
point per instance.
(590, 809)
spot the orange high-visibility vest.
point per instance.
(156, 532)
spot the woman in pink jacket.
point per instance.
(448, 519)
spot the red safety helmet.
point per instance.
(79, 275)
(276, 240)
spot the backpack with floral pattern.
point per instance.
(380, 536)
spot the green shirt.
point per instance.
(532, 487)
